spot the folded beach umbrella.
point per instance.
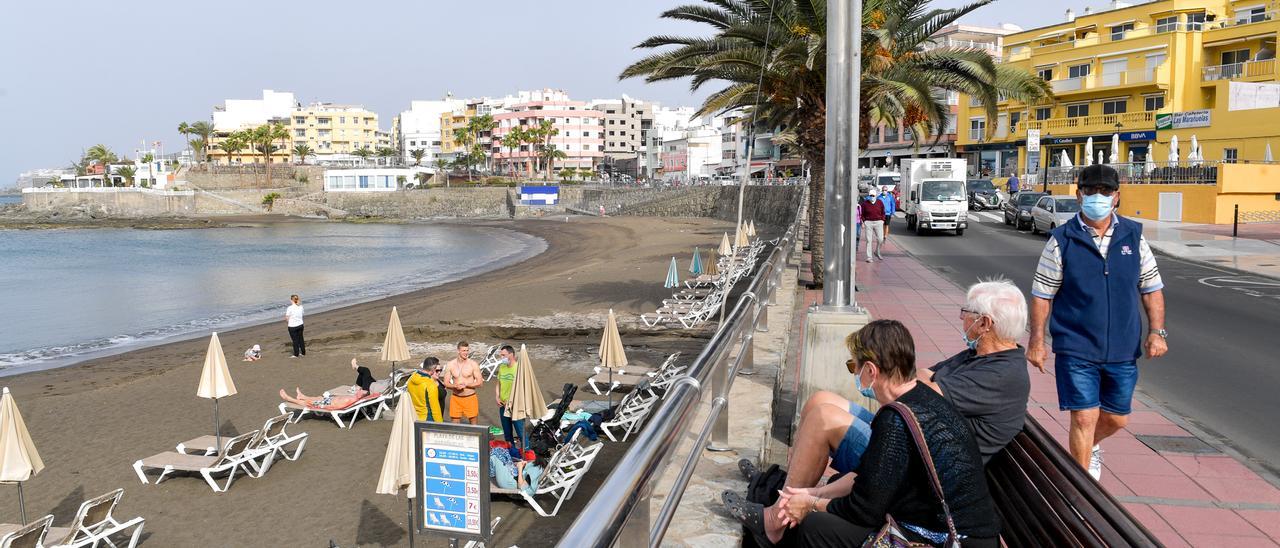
(741, 238)
(612, 355)
(215, 382)
(751, 229)
(726, 248)
(695, 265)
(1267, 157)
(394, 348)
(397, 465)
(673, 275)
(1088, 152)
(1195, 156)
(526, 396)
(1173, 151)
(1066, 160)
(711, 269)
(19, 459)
(1115, 148)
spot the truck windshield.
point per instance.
(941, 191)
(888, 180)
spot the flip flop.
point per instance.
(749, 514)
(748, 469)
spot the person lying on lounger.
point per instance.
(362, 388)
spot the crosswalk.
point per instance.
(986, 217)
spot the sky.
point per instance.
(74, 73)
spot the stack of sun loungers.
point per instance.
(94, 523)
(560, 478)
(604, 381)
(249, 454)
(702, 296)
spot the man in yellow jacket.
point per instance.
(426, 392)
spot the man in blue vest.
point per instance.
(1095, 274)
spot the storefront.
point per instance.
(1137, 145)
(993, 160)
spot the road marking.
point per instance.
(985, 217)
(1254, 286)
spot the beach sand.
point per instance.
(91, 421)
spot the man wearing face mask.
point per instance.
(873, 216)
(1093, 277)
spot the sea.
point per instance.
(70, 295)
(6, 199)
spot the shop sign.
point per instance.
(1184, 120)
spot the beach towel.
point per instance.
(585, 427)
(353, 402)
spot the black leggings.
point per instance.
(299, 345)
(822, 529)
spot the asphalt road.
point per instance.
(1222, 371)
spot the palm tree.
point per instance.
(417, 154)
(479, 126)
(386, 154)
(101, 154)
(204, 130)
(234, 143)
(899, 75)
(127, 173)
(544, 132)
(199, 145)
(550, 154)
(301, 152)
(512, 141)
(363, 154)
(184, 129)
(442, 168)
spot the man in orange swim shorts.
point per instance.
(462, 378)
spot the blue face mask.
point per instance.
(971, 343)
(866, 391)
(1096, 207)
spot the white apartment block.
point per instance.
(237, 114)
(419, 127)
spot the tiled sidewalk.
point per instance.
(1184, 499)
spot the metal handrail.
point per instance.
(622, 501)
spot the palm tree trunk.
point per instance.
(817, 207)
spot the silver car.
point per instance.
(1051, 211)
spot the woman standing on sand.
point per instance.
(293, 318)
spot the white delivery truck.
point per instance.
(935, 194)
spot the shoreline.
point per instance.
(538, 246)
(92, 420)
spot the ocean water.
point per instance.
(67, 295)
(7, 199)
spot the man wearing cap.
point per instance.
(1094, 275)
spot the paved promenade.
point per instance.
(1202, 498)
(1256, 250)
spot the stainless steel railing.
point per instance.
(619, 513)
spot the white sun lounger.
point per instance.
(371, 407)
(25, 536)
(689, 315)
(564, 472)
(240, 451)
(273, 442)
(95, 524)
(603, 383)
(630, 417)
(640, 369)
(489, 365)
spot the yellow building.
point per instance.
(1144, 74)
(330, 129)
(459, 118)
(246, 155)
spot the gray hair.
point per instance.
(1004, 303)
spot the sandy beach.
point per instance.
(91, 421)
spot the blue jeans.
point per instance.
(848, 455)
(1083, 384)
(508, 425)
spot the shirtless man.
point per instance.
(462, 378)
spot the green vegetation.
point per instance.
(787, 74)
(417, 154)
(270, 200)
(300, 153)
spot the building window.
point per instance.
(1119, 106)
(1014, 118)
(1230, 155)
(977, 128)
(1044, 113)
(1045, 73)
(875, 136)
(1118, 31)
(1079, 71)
(1256, 14)
(1166, 24)
(342, 119)
(299, 133)
(299, 120)
(323, 121)
(1153, 102)
(1078, 111)
(1195, 21)
(890, 134)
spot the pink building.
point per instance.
(580, 137)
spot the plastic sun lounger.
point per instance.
(94, 524)
(629, 418)
(370, 406)
(273, 442)
(489, 365)
(237, 456)
(23, 536)
(640, 369)
(563, 474)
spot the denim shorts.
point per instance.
(846, 458)
(1083, 384)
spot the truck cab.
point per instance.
(936, 197)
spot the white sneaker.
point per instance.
(1095, 463)
(868, 259)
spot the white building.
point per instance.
(694, 156)
(419, 127)
(154, 174)
(237, 114)
(385, 179)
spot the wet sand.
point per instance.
(91, 421)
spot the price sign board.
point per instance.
(451, 462)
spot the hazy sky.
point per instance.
(76, 73)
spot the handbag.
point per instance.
(891, 535)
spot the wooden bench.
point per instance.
(1045, 498)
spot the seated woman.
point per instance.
(892, 478)
(508, 473)
(364, 380)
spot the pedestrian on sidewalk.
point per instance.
(1013, 184)
(293, 319)
(1095, 274)
(873, 222)
(890, 206)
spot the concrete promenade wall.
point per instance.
(115, 202)
(771, 205)
(424, 204)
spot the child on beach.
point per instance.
(253, 354)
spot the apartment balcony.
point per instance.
(1093, 82)
(1091, 125)
(1249, 70)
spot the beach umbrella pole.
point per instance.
(410, 519)
(217, 432)
(22, 504)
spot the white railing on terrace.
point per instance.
(1068, 84)
(1142, 173)
(1247, 69)
(1242, 19)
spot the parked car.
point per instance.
(982, 194)
(1017, 210)
(1051, 211)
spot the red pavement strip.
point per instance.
(1183, 499)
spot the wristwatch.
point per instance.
(1164, 333)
